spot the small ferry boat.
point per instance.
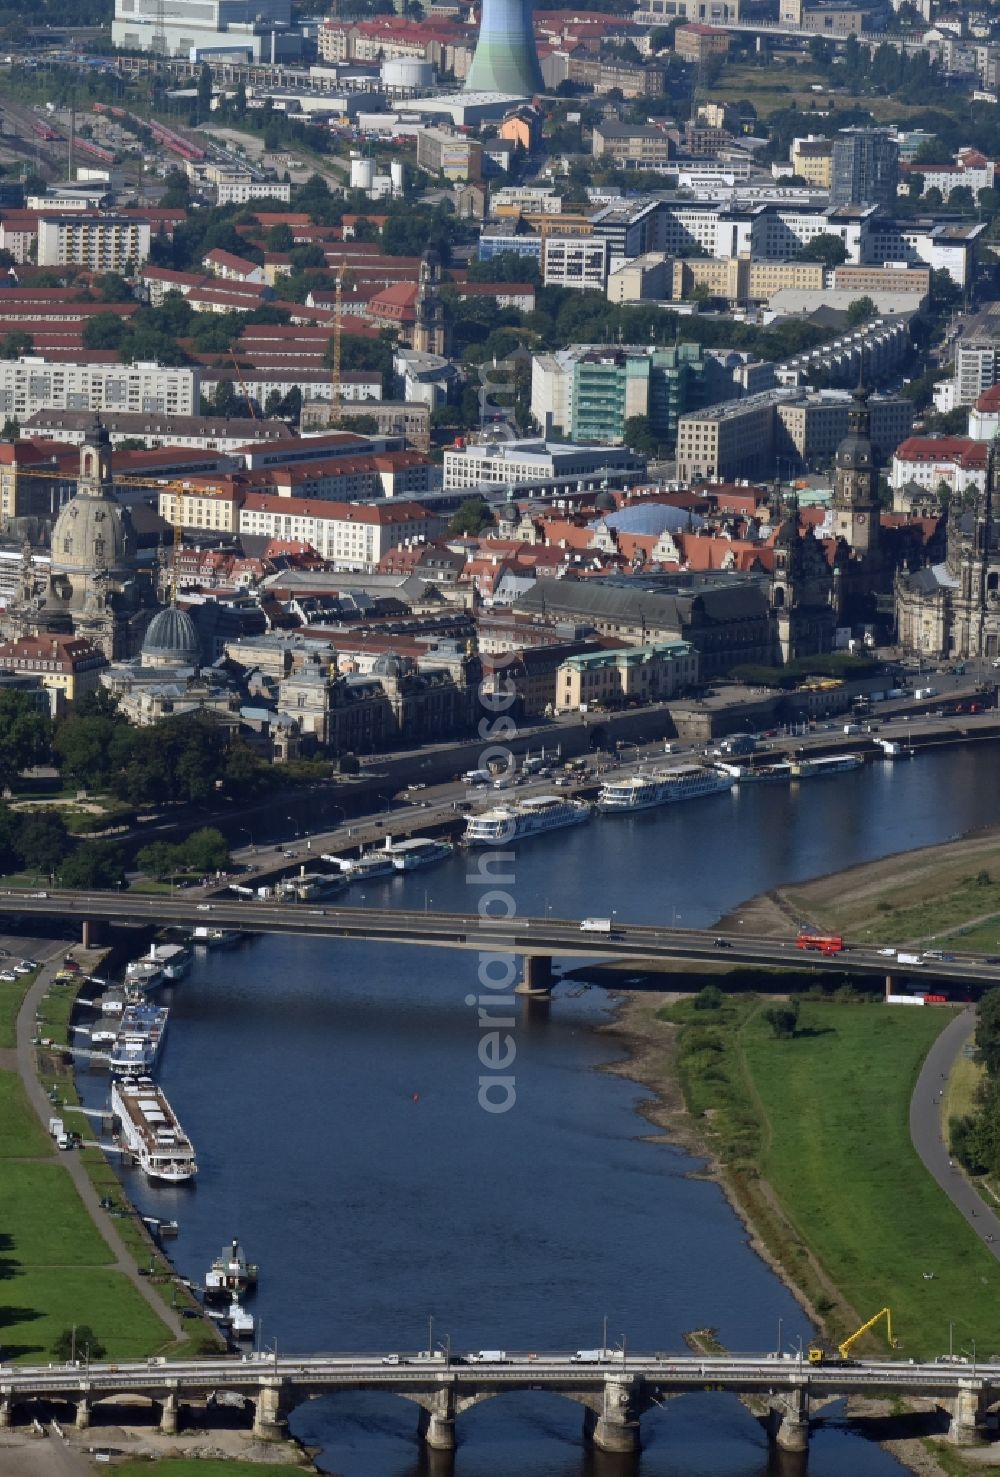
(662, 787)
(419, 851)
(230, 1272)
(151, 1133)
(139, 1039)
(145, 973)
(758, 774)
(309, 885)
(216, 938)
(520, 819)
(805, 769)
(368, 864)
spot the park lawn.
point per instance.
(38, 1304)
(45, 1221)
(21, 1134)
(182, 1467)
(11, 998)
(836, 1149)
(979, 938)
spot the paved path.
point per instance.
(26, 1065)
(927, 1135)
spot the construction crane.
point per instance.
(246, 393)
(819, 1356)
(336, 386)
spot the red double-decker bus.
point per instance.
(825, 943)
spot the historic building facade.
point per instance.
(952, 609)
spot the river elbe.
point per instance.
(330, 1090)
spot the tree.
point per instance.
(783, 1019)
(158, 860)
(73, 1342)
(470, 518)
(25, 735)
(933, 198)
(988, 1031)
(206, 850)
(279, 238)
(41, 841)
(638, 434)
(710, 998)
(825, 248)
(14, 344)
(960, 198)
(104, 331)
(93, 864)
(860, 311)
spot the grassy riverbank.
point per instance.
(948, 893)
(811, 1137)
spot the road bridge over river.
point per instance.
(491, 929)
(613, 1389)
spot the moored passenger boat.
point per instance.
(523, 818)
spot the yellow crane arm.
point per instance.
(844, 1349)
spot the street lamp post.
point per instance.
(604, 1339)
(779, 1338)
(430, 1334)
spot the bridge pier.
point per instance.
(967, 1415)
(6, 1414)
(269, 1414)
(615, 1427)
(436, 1423)
(788, 1427)
(92, 933)
(83, 1415)
(170, 1415)
(537, 977)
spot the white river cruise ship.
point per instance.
(661, 787)
(521, 818)
(151, 1133)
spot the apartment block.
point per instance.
(632, 147)
(351, 535)
(695, 42)
(579, 262)
(730, 440)
(811, 159)
(101, 243)
(29, 385)
(457, 157)
(811, 427)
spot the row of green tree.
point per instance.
(975, 1136)
(184, 759)
(201, 853)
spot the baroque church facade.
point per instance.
(952, 608)
(95, 588)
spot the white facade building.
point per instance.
(30, 384)
(576, 261)
(506, 463)
(252, 30)
(352, 535)
(101, 243)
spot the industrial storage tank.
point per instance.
(407, 74)
(362, 173)
(397, 173)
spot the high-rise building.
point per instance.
(865, 168)
(506, 59)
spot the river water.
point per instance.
(330, 1089)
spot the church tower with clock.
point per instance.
(855, 492)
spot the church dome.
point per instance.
(171, 640)
(91, 534)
